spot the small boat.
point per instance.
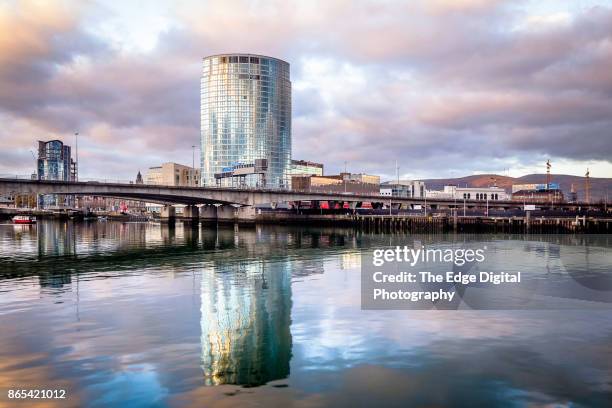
(24, 219)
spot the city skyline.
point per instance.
(481, 86)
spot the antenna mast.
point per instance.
(587, 187)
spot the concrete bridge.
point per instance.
(214, 195)
(192, 196)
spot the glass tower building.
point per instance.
(55, 163)
(245, 116)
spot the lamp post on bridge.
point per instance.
(193, 164)
(76, 162)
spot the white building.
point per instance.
(440, 195)
(469, 193)
(403, 188)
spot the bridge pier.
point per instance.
(168, 232)
(208, 213)
(191, 235)
(168, 214)
(191, 214)
(226, 213)
(229, 213)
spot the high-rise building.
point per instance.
(246, 115)
(55, 163)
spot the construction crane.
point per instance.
(587, 187)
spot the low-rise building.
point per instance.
(469, 193)
(539, 196)
(538, 193)
(305, 168)
(360, 178)
(341, 183)
(439, 194)
(173, 174)
(534, 187)
(7, 201)
(403, 188)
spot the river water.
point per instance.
(143, 315)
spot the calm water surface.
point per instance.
(141, 315)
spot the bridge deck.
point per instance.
(250, 197)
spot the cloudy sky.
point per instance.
(445, 87)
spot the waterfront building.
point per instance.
(360, 178)
(452, 192)
(7, 201)
(305, 168)
(55, 163)
(19, 200)
(534, 187)
(439, 195)
(173, 174)
(541, 193)
(245, 112)
(341, 183)
(539, 196)
(117, 205)
(403, 188)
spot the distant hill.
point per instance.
(599, 186)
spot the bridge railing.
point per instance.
(18, 176)
(81, 179)
(105, 180)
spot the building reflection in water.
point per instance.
(56, 239)
(246, 314)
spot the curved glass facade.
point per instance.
(245, 116)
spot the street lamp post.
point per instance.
(397, 173)
(193, 164)
(344, 177)
(76, 167)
